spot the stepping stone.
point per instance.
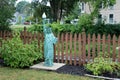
(41, 66)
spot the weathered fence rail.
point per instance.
(75, 49)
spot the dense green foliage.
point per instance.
(105, 29)
(6, 13)
(36, 28)
(102, 65)
(56, 28)
(17, 54)
(89, 28)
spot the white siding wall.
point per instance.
(115, 11)
(106, 12)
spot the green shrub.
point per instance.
(36, 28)
(102, 65)
(16, 54)
(63, 28)
(104, 29)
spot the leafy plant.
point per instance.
(36, 27)
(102, 65)
(16, 54)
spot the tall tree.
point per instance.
(20, 7)
(7, 10)
(58, 7)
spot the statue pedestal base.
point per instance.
(52, 68)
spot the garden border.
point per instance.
(101, 77)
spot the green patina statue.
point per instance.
(49, 40)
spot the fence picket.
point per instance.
(114, 48)
(80, 48)
(70, 49)
(93, 46)
(98, 44)
(0, 37)
(109, 43)
(66, 41)
(84, 47)
(119, 49)
(75, 37)
(38, 39)
(58, 48)
(0, 34)
(88, 47)
(103, 46)
(62, 47)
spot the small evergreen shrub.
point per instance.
(19, 55)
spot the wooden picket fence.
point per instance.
(78, 49)
(75, 49)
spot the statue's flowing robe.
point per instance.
(49, 40)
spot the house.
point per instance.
(18, 18)
(111, 14)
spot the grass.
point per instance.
(27, 74)
(19, 27)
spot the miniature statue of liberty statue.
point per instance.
(49, 41)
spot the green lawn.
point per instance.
(27, 74)
(19, 27)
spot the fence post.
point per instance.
(24, 36)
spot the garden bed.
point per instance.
(81, 71)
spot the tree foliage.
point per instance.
(57, 9)
(21, 6)
(6, 13)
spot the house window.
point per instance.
(82, 7)
(111, 7)
(99, 18)
(101, 5)
(111, 18)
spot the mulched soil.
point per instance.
(80, 70)
(74, 70)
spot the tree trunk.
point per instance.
(55, 7)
